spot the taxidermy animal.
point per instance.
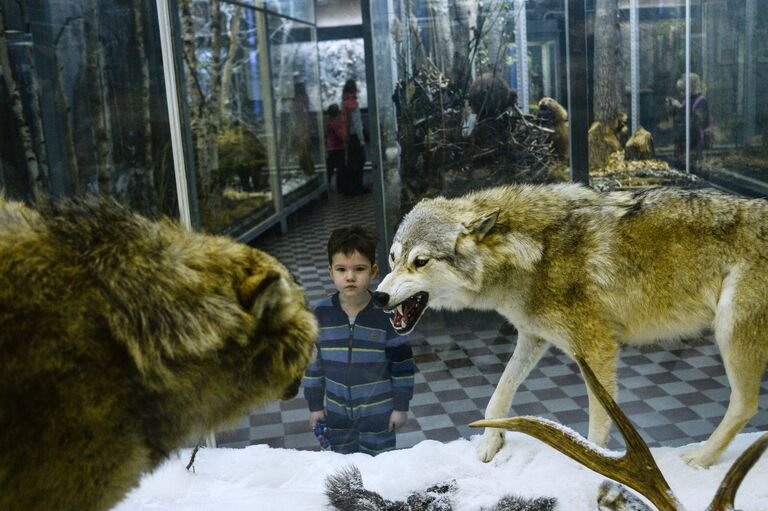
(346, 492)
(586, 271)
(122, 339)
(552, 115)
(640, 146)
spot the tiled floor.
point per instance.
(674, 394)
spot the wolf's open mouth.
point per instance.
(409, 312)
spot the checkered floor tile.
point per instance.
(675, 394)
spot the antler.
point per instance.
(636, 468)
(723, 500)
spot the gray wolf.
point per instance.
(121, 339)
(586, 271)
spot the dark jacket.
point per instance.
(362, 369)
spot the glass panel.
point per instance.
(462, 118)
(227, 109)
(734, 71)
(299, 9)
(661, 40)
(342, 59)
(657, 154)
(296, 93)
(83, 110)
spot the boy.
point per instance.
(364, 370)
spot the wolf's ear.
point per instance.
(482, 224)
(259, 293)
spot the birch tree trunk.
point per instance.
(37, 120)
(493, 30)
(607, 88)
(213, 100)
(442, 51)
(146, 188)
(64, 112)
(25, 134)
(94, 57)
(194, 95)
(226, 74)
(603, 138)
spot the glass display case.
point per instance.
(251, 85)
(630, 68)
(296, 95)
(84, 108)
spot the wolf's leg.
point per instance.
(527, 354)
(745, 355)
(602, 361)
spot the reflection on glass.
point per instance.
(82, 110)
(300, 9)
(227, 114)
(342, 60)
(296, 94)
(734, 73)
(466, 83)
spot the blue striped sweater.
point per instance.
(362, 369)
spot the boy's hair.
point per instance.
(333, 110)
(349, 239)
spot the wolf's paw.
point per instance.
(698, 457)
(490, 444)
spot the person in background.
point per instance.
(701, 120)
(334, 144)
(354, 140)
(361, 381)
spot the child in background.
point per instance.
(334, 144)
(362, 380)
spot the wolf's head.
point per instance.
(434, 260)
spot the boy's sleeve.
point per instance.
(314, 382)
(401, 368)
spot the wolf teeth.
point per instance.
(400, 309)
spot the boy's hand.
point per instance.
(314, 417)
(397, 419)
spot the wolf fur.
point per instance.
(586, 271)
(121, 339)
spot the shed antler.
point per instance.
(636, 468)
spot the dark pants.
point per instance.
(334, 162)
(350, 181)
(364, 434)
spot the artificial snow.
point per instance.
(266, 479)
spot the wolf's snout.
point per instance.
(380, 299)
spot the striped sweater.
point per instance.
(361, 369)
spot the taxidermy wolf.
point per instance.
(586, 271)
(121, 339)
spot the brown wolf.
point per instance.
(122, 338)
(586, 271)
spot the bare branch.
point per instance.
(191, 463)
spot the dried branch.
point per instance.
(191, 463)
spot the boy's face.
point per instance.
(351, 273)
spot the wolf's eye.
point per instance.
(420, 262)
